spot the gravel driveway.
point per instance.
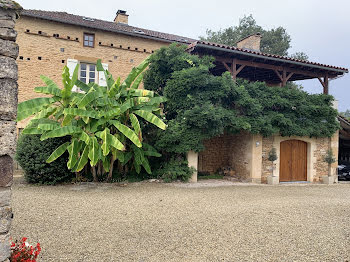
(162, 222)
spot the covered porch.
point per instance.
(247, 62)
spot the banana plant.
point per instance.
(102, 121)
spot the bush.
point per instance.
(32, 154)
(175, 169)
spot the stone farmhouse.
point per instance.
(49, 40)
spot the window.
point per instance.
(89, 40)
(87, 73)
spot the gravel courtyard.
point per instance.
(171, 222)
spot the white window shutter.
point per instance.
(71, 64)
(101, 76)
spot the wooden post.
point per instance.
(284, 77)
(326, 85)
(234, 69)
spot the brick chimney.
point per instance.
(121, 17)
(251, 42)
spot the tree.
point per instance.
(274, 41)
(345, 114)
(102, 121)
(272, 157)
(329, 159)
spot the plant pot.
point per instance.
(328, 180)
(273, 180)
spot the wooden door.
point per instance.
(293, 161)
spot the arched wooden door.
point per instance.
(293, 161)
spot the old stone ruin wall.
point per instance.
(8, 109)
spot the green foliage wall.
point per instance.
(201, 105)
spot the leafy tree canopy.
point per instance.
(274, 41)
(345, 114)
(200, 105)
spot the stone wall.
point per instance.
(45, 54)
(216, 154)
(8, 108)
(321, 167)
(267, 144)
(241, 154)
(227, 151)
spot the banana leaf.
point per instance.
(62, 131)
(126, 131)
(153, 119)
(58, 152)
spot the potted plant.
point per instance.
(329, 159)
(272, 180)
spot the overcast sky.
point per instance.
(319, 28)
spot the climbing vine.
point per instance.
(201, 105)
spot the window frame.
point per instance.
(87, 76)
(93, 39)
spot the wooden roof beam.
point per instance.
(233, 69)
(272, 67)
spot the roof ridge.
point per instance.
(68, 18)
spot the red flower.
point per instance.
(23, 253)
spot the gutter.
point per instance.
(272, 58)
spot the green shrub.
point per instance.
(272, 155)
(32, 154)
(175, 169)
(329, 157)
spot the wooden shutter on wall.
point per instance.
(71, 64)
(101, 76)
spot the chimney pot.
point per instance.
(121, 17)
(251, 42)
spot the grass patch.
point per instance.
(210, 176)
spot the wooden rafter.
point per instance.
(286, 74)
(278, 74)
(234, 71)
(271, 67)
(227, 67)
(289, 75)
(240, 69)
(283, 73)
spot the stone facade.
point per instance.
(248, 154)
(227, 151)
(316, 151)
(267, 144)
(8, 106)
(44, 54)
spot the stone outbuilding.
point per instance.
(244, 155)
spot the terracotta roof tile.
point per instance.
(93, 23)
(194, 44)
